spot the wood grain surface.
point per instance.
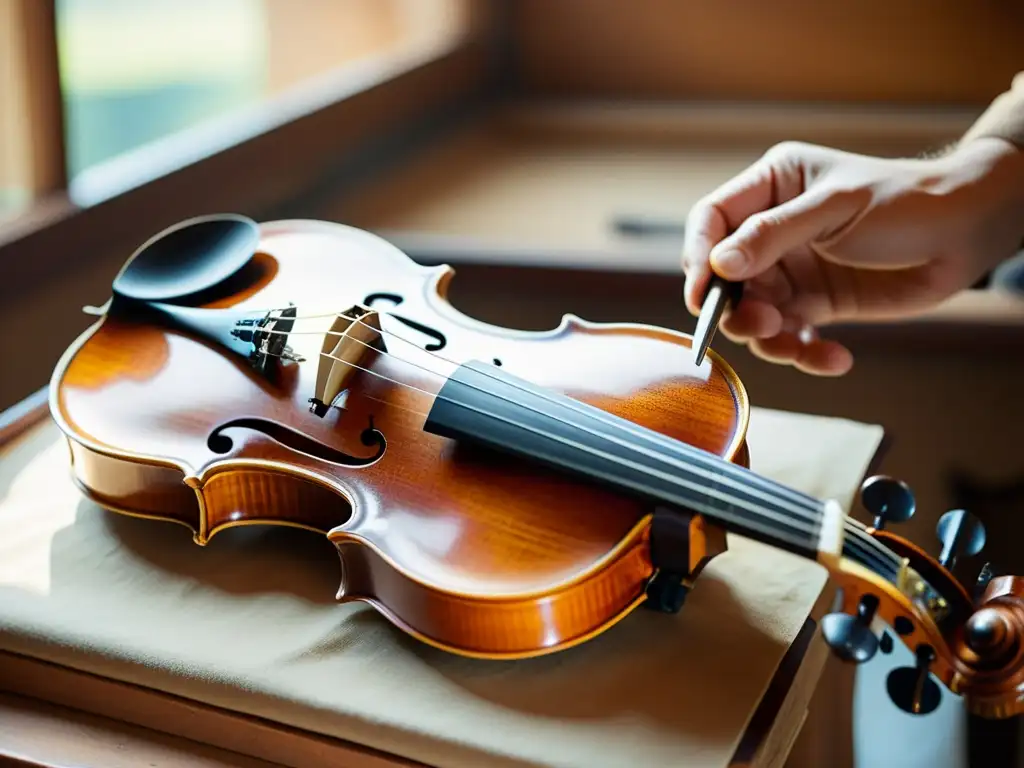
(458, 546)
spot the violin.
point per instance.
(494, 493)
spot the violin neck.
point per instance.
(488, 406)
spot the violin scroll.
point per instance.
(992, 649)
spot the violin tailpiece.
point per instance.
(269, 338)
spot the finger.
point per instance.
(751, 319)
(764, 238)
(820, 357)
(825, 358)
(696, 286)
(705, 226)
(778, 176)
(713, 217)
(772, 285)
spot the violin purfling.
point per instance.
(495, 493)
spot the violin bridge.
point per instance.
(354, 335)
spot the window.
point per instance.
(135, 73)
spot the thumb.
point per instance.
(764, 238)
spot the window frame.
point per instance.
(262, 161)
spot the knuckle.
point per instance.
(785, 151)
(700, 210)
(760, 228)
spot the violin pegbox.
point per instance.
(973, 644)
(354, 337)
(854, 637)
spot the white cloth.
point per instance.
(249, 623)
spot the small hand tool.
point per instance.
(721, 293)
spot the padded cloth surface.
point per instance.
(249, 623)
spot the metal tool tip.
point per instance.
(699, 354)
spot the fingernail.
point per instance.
(731, 261)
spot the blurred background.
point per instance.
(518, 140)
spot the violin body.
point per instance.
(495, 493)
(464, 548)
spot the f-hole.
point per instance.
(219, 441)
(438, 339)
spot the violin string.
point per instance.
(872, 551)
(806, 514)
(795, 495)
(863, 542)
(766, 484)
(861, 537)
(712, 463)
(781, 519)
(797, 498)
(866, 555)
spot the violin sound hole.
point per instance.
(221, 442)
(438, 340)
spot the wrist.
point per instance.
(987, 175)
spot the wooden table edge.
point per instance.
(59, 737)
(24, 415)
(768, 739)
(182, 717)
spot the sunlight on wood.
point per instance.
(15, 172)
(31, 154)
(27, 565)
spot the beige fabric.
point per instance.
(1004, 117)
(248, 623)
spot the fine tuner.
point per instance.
(494, 493)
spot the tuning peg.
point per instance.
(961, 534)
(888, 500)
(850, 637)
(911, 688)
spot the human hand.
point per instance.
(820, 235)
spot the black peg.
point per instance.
(850, 637)
(912, 688)
(961, 534)
(888, 500)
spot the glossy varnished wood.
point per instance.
(479, 554)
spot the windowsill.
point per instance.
(161, 158)
(319, 135)
(184, 150)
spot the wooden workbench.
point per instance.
(74, 687)
(520, 194)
